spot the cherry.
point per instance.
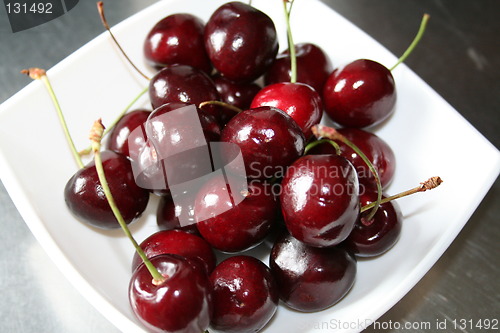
(245, 295)
(241, 41)
(313, 67)
(376, 236)
(177, 137)
(167, 215)
(181, 83)
(269, 139)
(177, 242)
(363, 92)
(239, 94)
(376, 150)
(180, 303)
(360, 94)
(234, 219)
(298, 100)
(118, 139)
(319, 199)
(177, 39)
(85, 198)
(311, 279)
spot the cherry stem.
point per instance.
(40, 74)
(429, 184)
(318, 142)
(287, 5)
(331, 133)
(95, 139)
(219, 103)
(100, 9)
(416, 40)
(87, 150)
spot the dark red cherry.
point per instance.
(85, 197)
(241, 41)
(232, 218)
(300, 101)
(313, 67)
(182, 303)
(360, 94)
(181, 83)
(118, 139)
(269, 139)
(374, 237)
(239, 94)
(170, 137)
(177, 39)
(177, 242)
(319, 199)
(245, 295)
(311, 279)
(167, 215)
(376, 150)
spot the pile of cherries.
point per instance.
(313, 192)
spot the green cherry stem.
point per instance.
(321, 131)
(416, 40)
(87, 150)
(429, 184)
(40, 74)
(287, 5)
(219, 103)
(100, 9)
(95, 139)
(318, 142)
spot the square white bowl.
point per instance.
(428, 136)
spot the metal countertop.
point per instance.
(458, 57)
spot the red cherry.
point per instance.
(181, 83)
(313, 67)
(85, 197)
(245, 295)
(311, 279)
(177, 39)
(300, 101)
(237, 220)
(319, 199)
(167, 215)
(269, 139)
(177, 242)
(360, 94)
(241, 41)
(181, 303)
(374, 237)
(119, 136)
(376, 150)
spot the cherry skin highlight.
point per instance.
(245, 295)
(360, 94)
(319, 199)
(119, 140)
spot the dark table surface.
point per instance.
(458, 57)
